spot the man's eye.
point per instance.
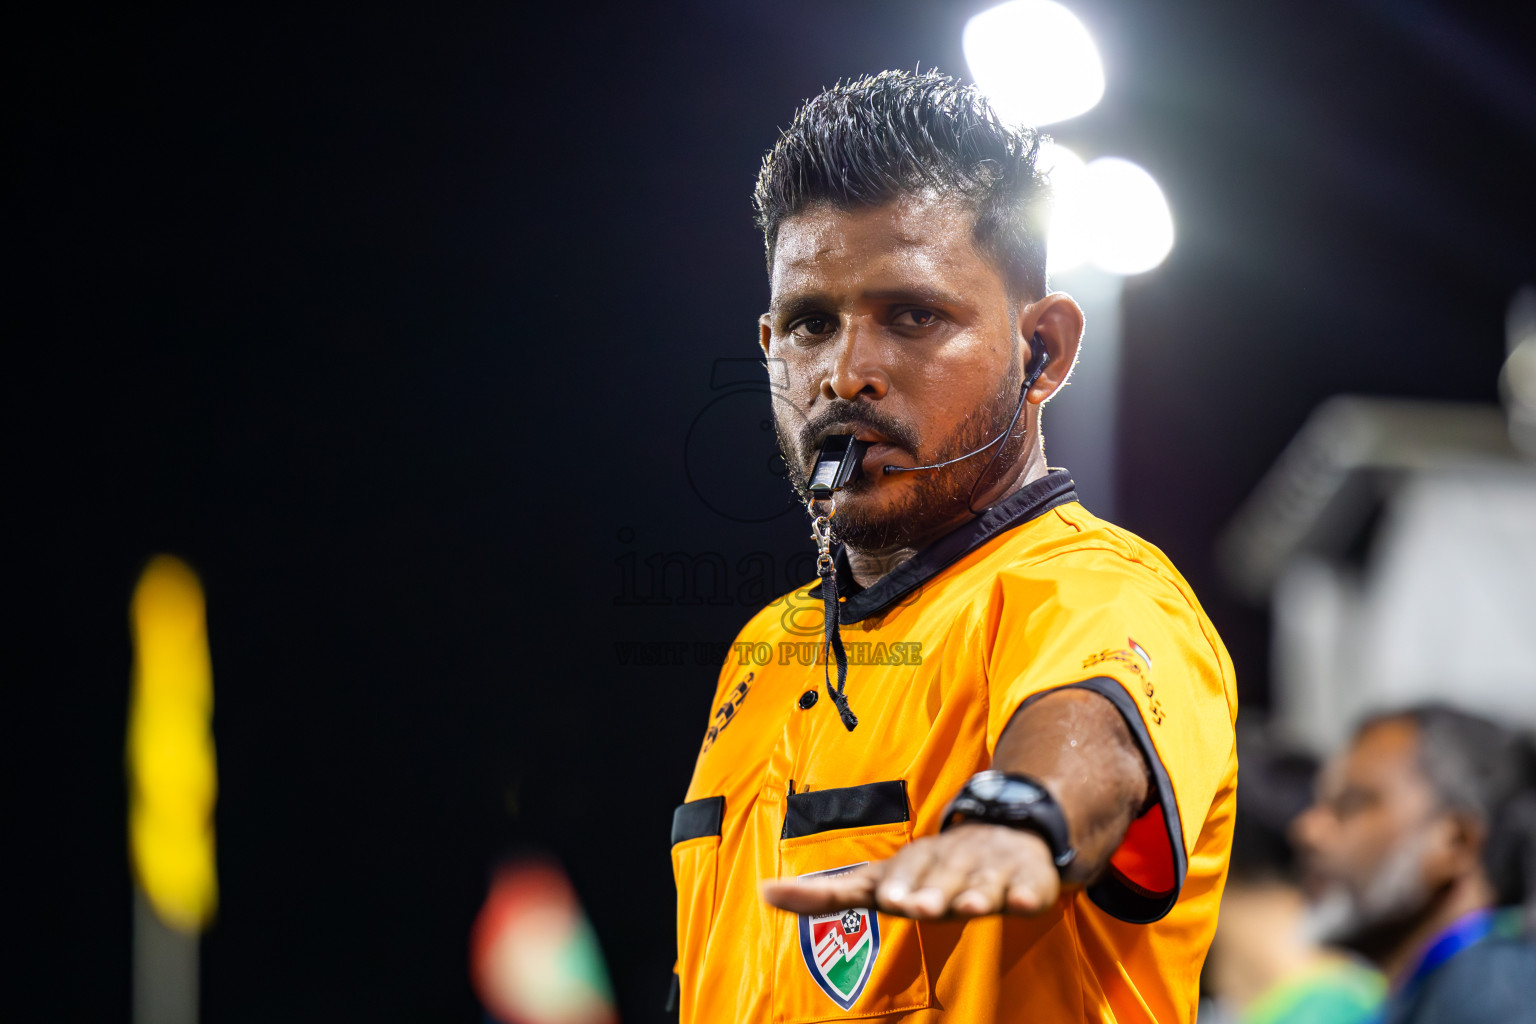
(916, 317)
(1347, 804)
(813, 326)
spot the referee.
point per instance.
(1015, 804)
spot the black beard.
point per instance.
(1376, 920)
(1376, 941)
(940, 496)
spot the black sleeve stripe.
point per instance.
(697, 818)
(822, 810)
(1113, 892)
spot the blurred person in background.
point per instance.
(1264, 966)
(1417, 855)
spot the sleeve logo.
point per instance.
(1135, 658)
(726, 712)
(840, 949)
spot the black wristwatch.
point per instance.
(1017, 801)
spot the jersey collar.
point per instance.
(1028, 502)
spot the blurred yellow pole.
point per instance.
(171, 789)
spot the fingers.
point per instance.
(822, 894)
(970, 871)
(975, 870)
(985, 892)
(904, 874)
(1031, 890)
(945, 873)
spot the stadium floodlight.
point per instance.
(1034, 60)
(1069, 240)
(1127, 218)
(1109, 213)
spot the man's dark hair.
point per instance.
(1479, 767)
(873, 139)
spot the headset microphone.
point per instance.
(1037, 361)
(840, 456)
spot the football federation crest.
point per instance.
(840, 949)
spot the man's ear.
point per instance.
(1469, 836)
(1058, 320)
(764, 332)
(1454, 847)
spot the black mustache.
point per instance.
(816, 431)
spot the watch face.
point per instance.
(997, 787)
(1017, 791)
(987, 785)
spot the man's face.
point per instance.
(1373, 844)
(888, 324)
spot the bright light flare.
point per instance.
(1069, 240)
(1034, 60)
(1128, 219)
(1109, 213)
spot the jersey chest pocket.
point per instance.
(857, 962)
(695, 856)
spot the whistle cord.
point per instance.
(831, 636)
(832, 646)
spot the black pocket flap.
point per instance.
(697, 818)
(822, 810)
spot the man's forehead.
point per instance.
(905, 221)
(1385, 752)
(896, 244)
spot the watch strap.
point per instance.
(1016, 801)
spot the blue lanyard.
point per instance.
(1468, 931)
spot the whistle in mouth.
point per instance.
(836, 464)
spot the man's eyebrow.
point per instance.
(924, 295)
(799, 304)
(812, 302)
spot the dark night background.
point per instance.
(396, 324)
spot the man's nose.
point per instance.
(856, 367)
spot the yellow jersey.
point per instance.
(1033, 595)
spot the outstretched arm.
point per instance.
(1076, 744)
